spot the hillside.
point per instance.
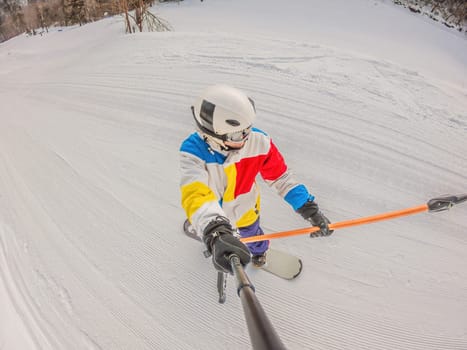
(91, 250)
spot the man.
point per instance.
(219, 164)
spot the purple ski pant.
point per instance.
(256, 248)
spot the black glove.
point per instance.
(221, 243)
(310, 212)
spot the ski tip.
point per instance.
(299, 270)
(188, 230)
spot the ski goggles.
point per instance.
(235, 137)
(238, 136)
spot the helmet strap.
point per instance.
(215, 143)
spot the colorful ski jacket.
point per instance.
(224, 183)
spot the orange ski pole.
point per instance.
(433, 205)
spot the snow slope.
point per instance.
(373, 120)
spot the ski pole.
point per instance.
(433, 205)
(262, 334)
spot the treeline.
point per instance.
(452, 13)
(37, 16)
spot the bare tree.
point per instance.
(126, 15)
(39, 15)
(138, 17)
(453, 13)
(74, 12)
(12, 19)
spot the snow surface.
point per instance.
(367, 102)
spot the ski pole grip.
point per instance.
(445, 202)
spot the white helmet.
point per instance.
(224, 113)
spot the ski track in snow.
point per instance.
(90, 206)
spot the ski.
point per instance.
(278, 263)
(282, 264)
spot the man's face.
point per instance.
(234, 145)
